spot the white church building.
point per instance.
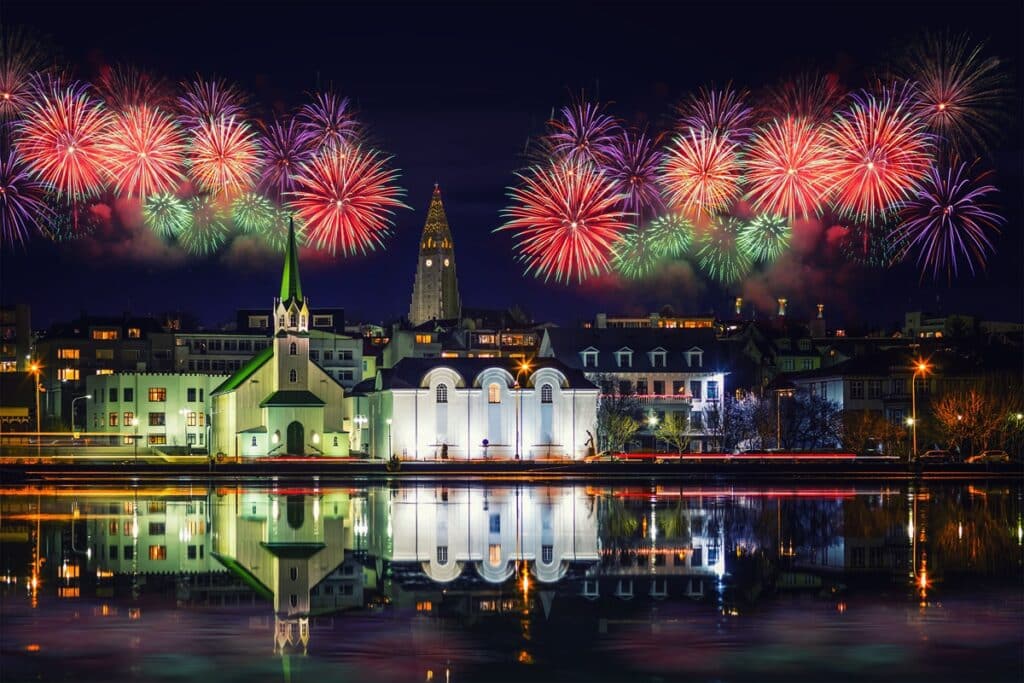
(473, 408)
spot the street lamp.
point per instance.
(524, 366)
(920, 368)
(135, 439)
(652, 422)
(36, 369)
(779, 393)
(80, 398)
(184, 420)
(390, 449)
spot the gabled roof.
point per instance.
(245, 372)
(292, 398)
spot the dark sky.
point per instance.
(453, 90)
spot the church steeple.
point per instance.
(291, 287)
(435, 293)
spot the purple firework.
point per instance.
(634, 164)
(210, 100)
(723, 111)
(286, 145)
(947, 220)
(21, 200)
(329, 121)
(584, 133)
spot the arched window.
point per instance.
(545, 393)
(293, 320)
(303, 321)
(293, 376)
(254, 442)
(293, 349)
(442, 393)
(494, 393)
(280, 321)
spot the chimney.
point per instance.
(782, 308)
(821, 311)
(739, 305)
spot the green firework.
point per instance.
(252, 212)
(670, 235)
(209, 228)
(765, 238)
(633, 256)
(275, 235)
(719, 255)
(166, 215)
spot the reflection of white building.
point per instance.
(488, 534)
(472, 408)
(284, 546)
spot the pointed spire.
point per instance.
(436, 233)
(291, 287)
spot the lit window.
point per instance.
(157, 394)
(68, 374)
(494, 554)
(104, 335)
(293, 376)
(442, 393)
(158, 552)
(423, 339)
(134, 333)
(190, 418)
(494, 393)
(68, 354)
(546, 393)
(113, 420)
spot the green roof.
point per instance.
(291, 287)
(246, 371)
(233, 566)
(287, 398)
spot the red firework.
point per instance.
(59, 138)
(701, 172)
(144, 152)
(789, 168)
(225, 156)
(347, 199)
(567, 220)
(882, 151)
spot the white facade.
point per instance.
(484, 416)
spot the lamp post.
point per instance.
(36, 369)
(135, 439)
(184, 421)
(652, 422)
(80, 398)
(920, 368)
(390, 449)
(523, 367)
(779, 393)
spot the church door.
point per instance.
(296, 439)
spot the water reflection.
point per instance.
(582, 581)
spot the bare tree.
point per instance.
(674, 430)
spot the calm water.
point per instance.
(475, 582)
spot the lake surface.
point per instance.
(506, 581)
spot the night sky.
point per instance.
(453, 91)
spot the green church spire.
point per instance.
(291, 287)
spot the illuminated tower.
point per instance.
(435, 292)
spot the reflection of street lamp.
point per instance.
(920, 367)
(524, 366)
(390, 449)
(80, 398)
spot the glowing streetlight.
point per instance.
(921, 367)
(80, 398)
(524, 367)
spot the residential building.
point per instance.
(435, 291)
(339, 355)
(668, 371)
(666, 319)
(15, 337)
(216, 353)
(173, 409)
(470, 408)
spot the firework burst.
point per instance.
(633, 164)
(209, 226)
(328, 122)
(701, 173)
(60, 139)
(125, 87)
(566, 218)
(224, 156)
(166, 215)
(960, 93)
(275, 235)
(765, 238)
(948, 220)
(811, 96)
(19, 60)
(719, 254)
(583, 133)
(633, 256)
(789, 168)
(21, 201)
(724, 112)
(882, 150)
(286, 148)
(210, 100)
(143, 152)
(252, 212)
(670, 235)
(347, 199)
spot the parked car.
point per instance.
(602, 457)
(935, 457)
(989, 457)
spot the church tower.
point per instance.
(291, 324)
(435, 292)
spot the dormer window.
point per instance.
(624, 358)
(589, 357)
(695, 358)
(659, 358)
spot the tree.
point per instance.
(865, 430)
(981, 416)
(618, 415)
(674, 430)
(811, 421)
